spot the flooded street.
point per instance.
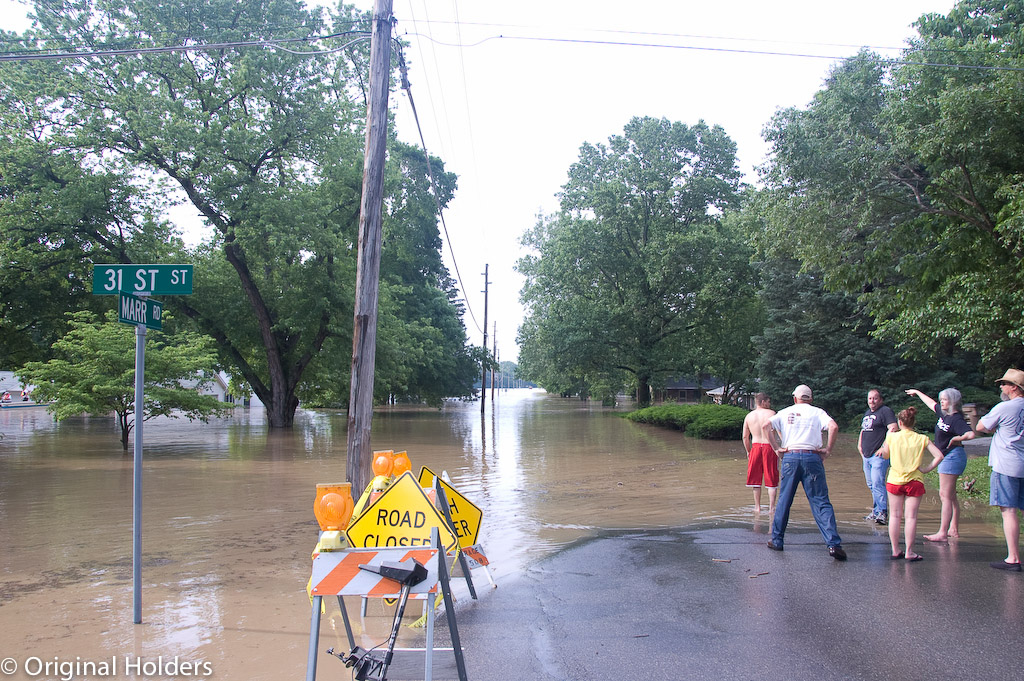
(228, 523)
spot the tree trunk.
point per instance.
(643, 391)
(126, 429)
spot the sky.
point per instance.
(507, 93)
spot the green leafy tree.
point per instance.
(820, 338)
(266, 146)
(95, 373)
(624, 280)
(916, 172)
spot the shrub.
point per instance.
(707, 421)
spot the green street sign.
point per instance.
(154, 279)
(144, 311)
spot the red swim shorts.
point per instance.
(763, 461)
(914, 488)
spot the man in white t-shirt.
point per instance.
(1006, 456)
(795, 434)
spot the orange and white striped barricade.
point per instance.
(341, 573)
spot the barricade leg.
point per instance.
(429, 670)
(314, 638)
(348, 625)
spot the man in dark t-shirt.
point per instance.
(878, 420)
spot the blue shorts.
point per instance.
(1006, 492)
(954, 462)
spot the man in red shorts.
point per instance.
(762, 461)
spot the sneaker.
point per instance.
(882, 518)
(1003, 565)
(838, 553)
(774, 547)
(870, 516)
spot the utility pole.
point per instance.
(364, 332)
(483, 369)
(495, 341)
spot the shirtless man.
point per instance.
(761, 458)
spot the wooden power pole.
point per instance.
(483, 369)
(359, 469)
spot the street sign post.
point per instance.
(134, 310)
(124, 281)
(153, 279)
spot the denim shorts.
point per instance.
(1007, 492)
(954, 462)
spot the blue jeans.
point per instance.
(806, 468)
(875, 469)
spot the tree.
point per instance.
(917, 171)
(821, 338)
(624, 278)
(95, 373)
(263, 143)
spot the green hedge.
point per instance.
(707, 421)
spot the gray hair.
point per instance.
(955, 400)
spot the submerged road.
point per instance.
(714, 602)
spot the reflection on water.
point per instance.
(228, 524)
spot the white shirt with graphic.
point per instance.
(800, 426)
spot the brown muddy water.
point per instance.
(228, 524)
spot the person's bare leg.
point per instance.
(954, 519)
(895, 515)
(1011, 529)
(913, 503)
(947, 493)
(773, 494)
(757, 499)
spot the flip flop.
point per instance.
(914, 559)
(897, 556)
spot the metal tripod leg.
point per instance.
(396, 625)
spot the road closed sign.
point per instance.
(402, 516)
(466, 515)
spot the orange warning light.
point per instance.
(383, 462)
(401, 465)
(333, 511)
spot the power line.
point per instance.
(696, 48)
(407, 86)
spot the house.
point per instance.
(685, 390)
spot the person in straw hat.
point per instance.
(1006, 456)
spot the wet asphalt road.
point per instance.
(714, 602)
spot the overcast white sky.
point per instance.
(507, 93)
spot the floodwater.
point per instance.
(228, 524)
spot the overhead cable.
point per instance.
(433, 182)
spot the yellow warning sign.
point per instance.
(401, 516)
(466, 515)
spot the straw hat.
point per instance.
(1013, 377)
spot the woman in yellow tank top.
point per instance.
(905, 450)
